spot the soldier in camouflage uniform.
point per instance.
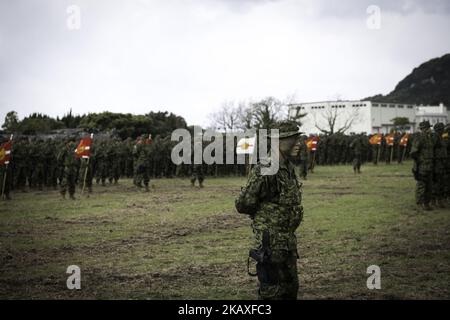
(356, 146)
(274, 204)
(447, 163)
(440, 157)
(70, 162)
(5, 169)
(21, 163)
(114, 159)
(141, 153)
(422, 151)
(304, 158)
(101, 162)
(197, 168)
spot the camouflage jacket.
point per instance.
(422, 151)
(67, 156)
(274, 203)
(304, 152)
(440, 152)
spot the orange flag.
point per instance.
(375, 139)
(311, 143)
(84, 148)
(389, 140)
(5, 153)
(404, 140)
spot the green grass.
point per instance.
(178, 242)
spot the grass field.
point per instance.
(178, 242)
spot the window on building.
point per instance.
(410, 107)
(400, 106)
(392, 106)
(384, 105)
(375, 105)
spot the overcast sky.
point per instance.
(188, 56)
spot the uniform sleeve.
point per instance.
(415, 148)
(249, 198)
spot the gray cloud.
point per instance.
(189, 56)
(346, 8)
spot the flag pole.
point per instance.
(403, 153)
(85, 175)
(4, 181)
(6, 172)
(392, 153)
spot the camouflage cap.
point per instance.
(424, 125)
(439, 126)
(286, 129)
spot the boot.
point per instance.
(147, 189)
(72, 197)
(201, 184)
(63, 195)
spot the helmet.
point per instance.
(286, 129)
(424, 125)
(439, 126)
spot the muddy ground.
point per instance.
(178, 242)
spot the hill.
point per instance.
(428, 84)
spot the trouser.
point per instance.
(38, 177)
(102, 171)
(357, 163)
(375, 153)
(303, 168)
(439, 183)
(278, 279)
(197, 174)
(5, 180)
(424, 188)
(142, 175)
(69, 181)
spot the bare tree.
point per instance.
(266, 112)
(227, 118)
(245, 116)
(337, 120)
(251, 114)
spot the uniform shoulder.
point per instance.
(262, 163)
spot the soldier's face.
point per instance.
(290, 146)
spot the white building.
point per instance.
(365, 116)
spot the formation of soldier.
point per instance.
(339, 148)
(39, 162)
(431, 153)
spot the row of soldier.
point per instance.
(39, 162)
